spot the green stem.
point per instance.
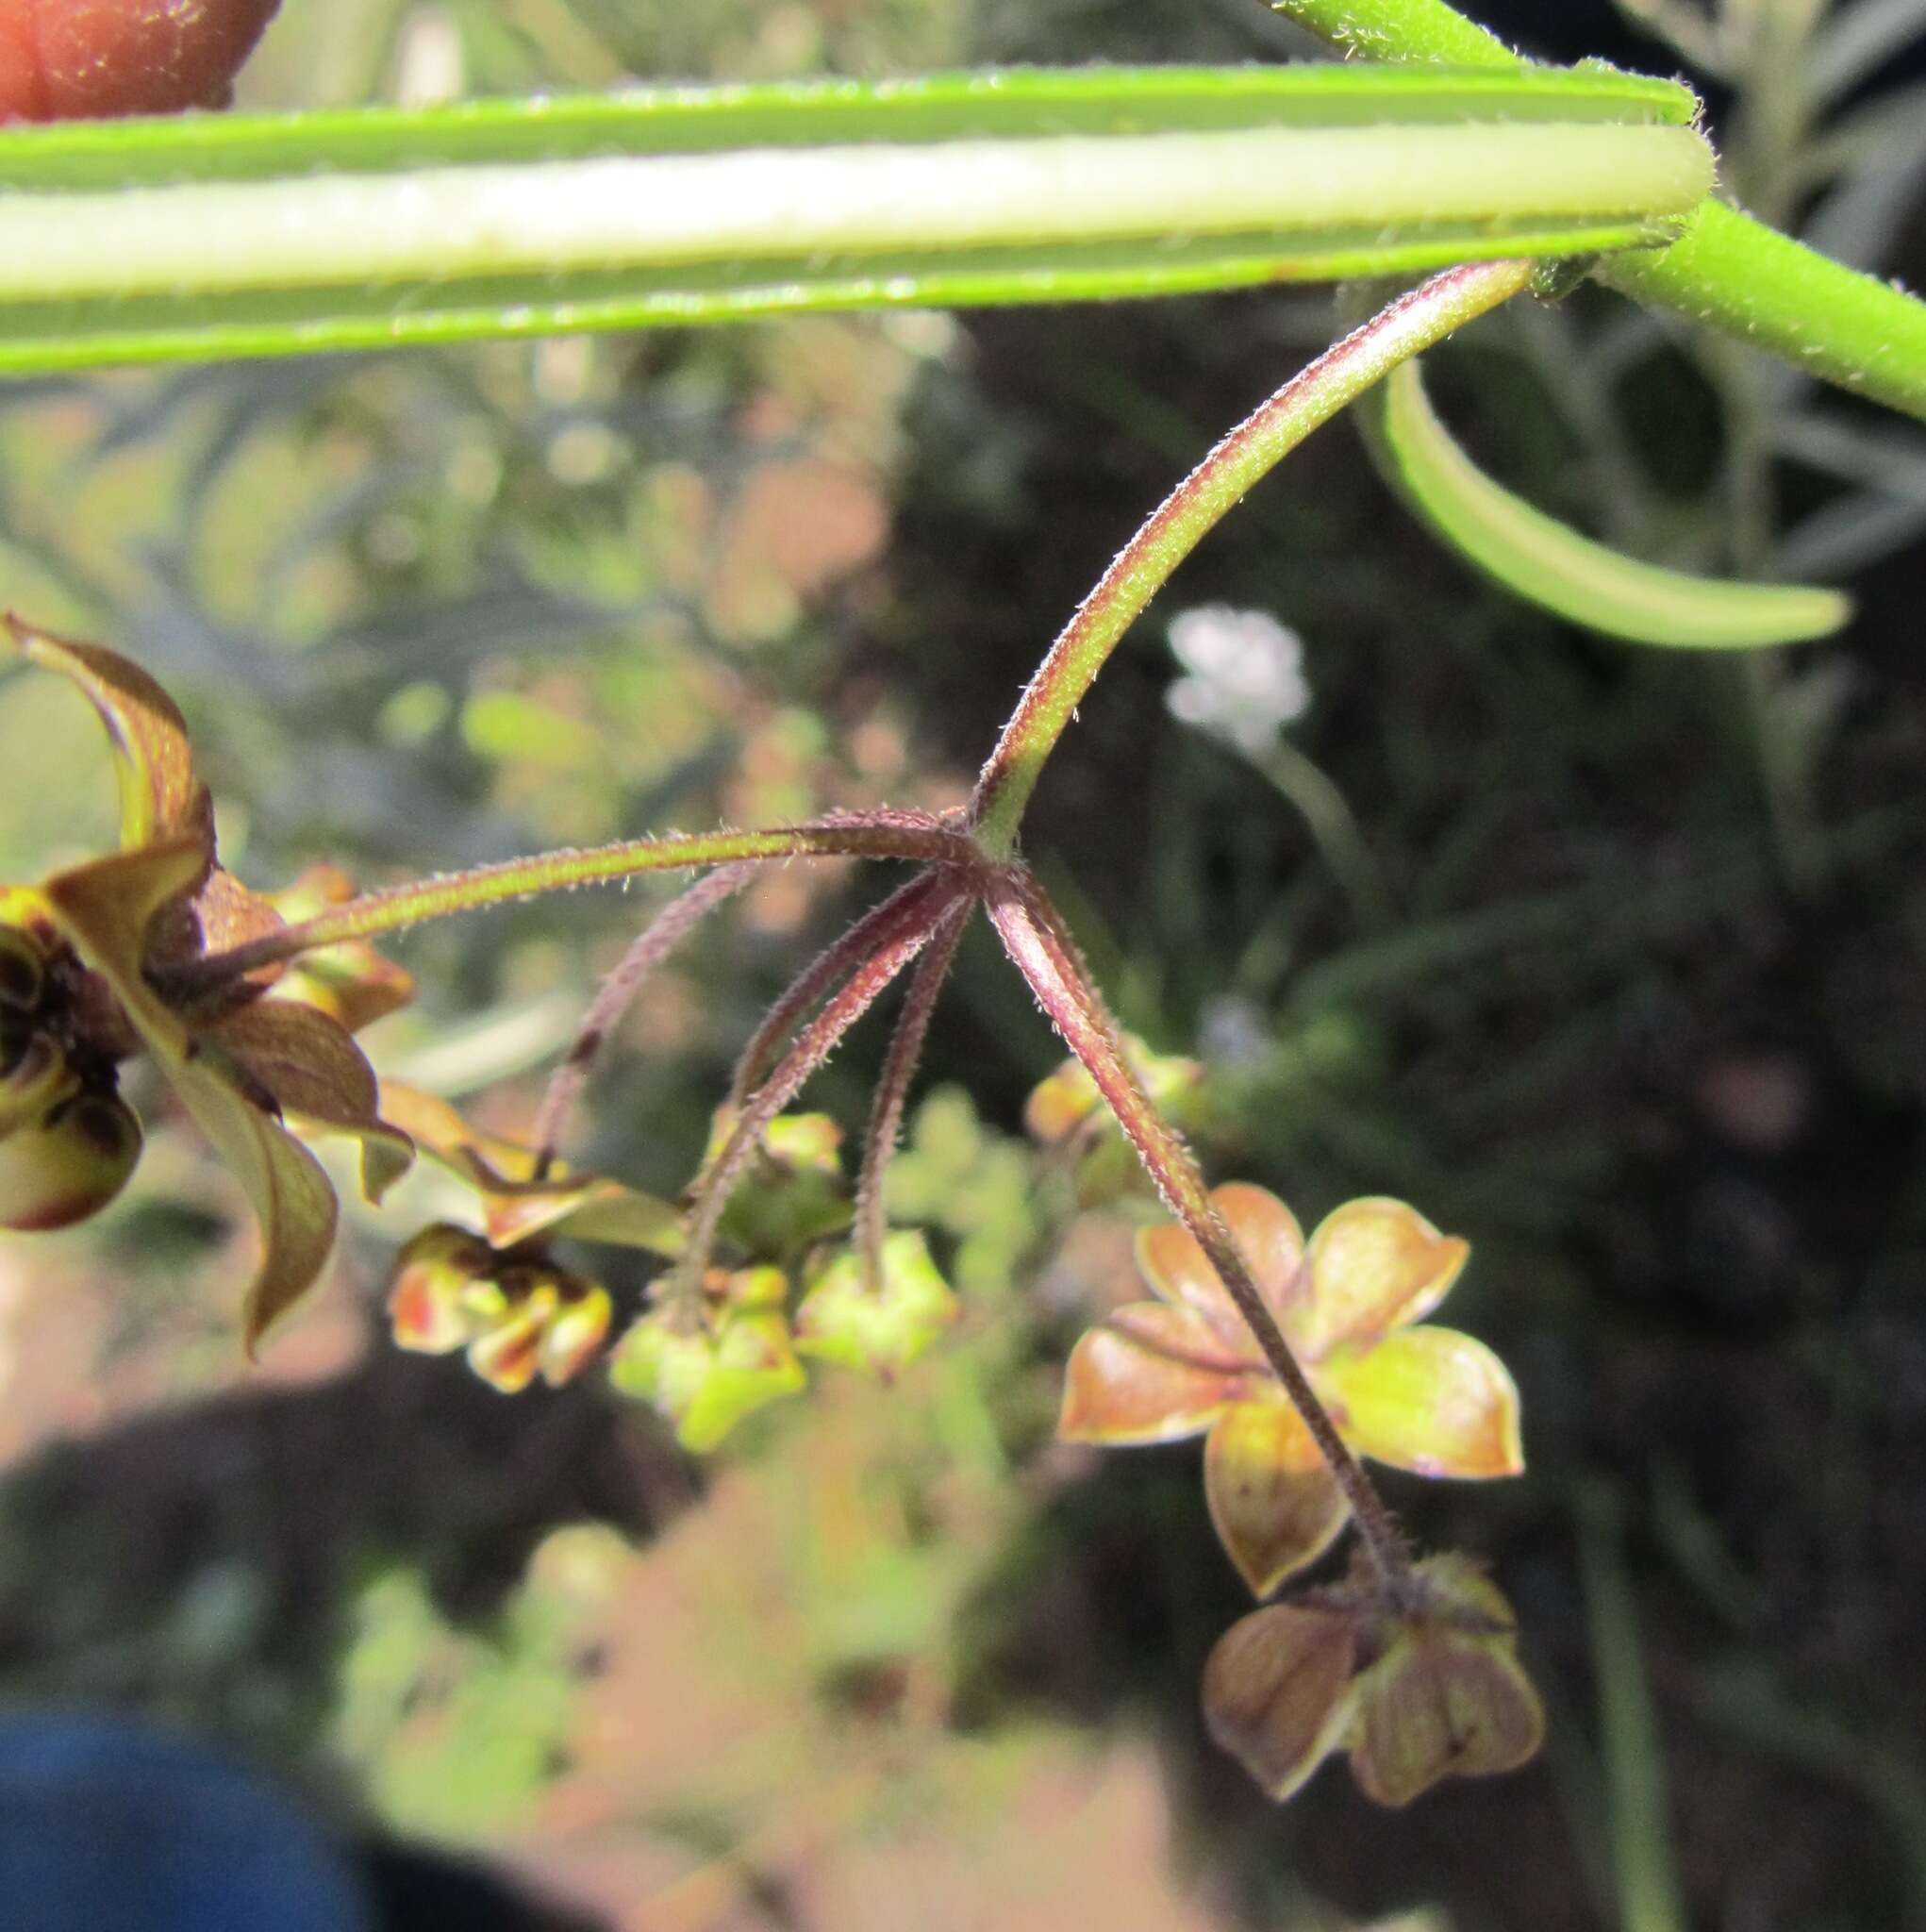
(1338, 377)
(1047, 958)
(899, 836)
(1727, 269)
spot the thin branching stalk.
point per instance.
(836, 961)
(660, 938)
(874, 834)
(892, 1086)
(1413, 323)
(1047, 956)
(892, 947)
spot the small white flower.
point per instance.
(1246, 675)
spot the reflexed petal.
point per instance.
(1376, 1265)
(515, 1205)
(160, 792)
(67, 1164)
(879, 1333)
(1150, 1373)
(1277, 1691)
(1275, 1505)
(575, 1334)
(350, 981)
(104, 909)
(1429, 1400)
(310, 1067)
(510, 1353)
(1449, 1697)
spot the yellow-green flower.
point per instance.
(1349, 1302)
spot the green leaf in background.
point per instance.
(257, 235)
(1549, 564)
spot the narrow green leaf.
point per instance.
(1551, 564)
(274, 234)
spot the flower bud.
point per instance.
(68, 1163)
(429, 1302)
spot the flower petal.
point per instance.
(104, 909)
(1429, 1400)
(1449, 1697)
(1277, 1691)
(1275, 1505)
(1266, 1235)
(1376, 1265)
(159, 794)
(350, 981)
(515, 1205)
(1149, 1373)
(309, 1066)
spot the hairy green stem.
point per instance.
(1047, 956)
(662, 935)
(1727, 271)
(876, 835)
(834, 963)
(1338, 377)
(893, 1087)
(916, 914)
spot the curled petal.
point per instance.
(1275, 1505)
(1150, 1373)
(508, 1355)
(1448, 1698)
(306, 1063)
(159, 794)
(35, 1076)
(1429, 1400)
(1376, 1265)
(104, 909)
(1277, 1691)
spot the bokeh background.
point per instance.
(1613, 961)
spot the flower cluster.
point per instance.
(99, 967)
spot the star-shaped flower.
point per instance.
(1420, 1398)
(98, 965)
